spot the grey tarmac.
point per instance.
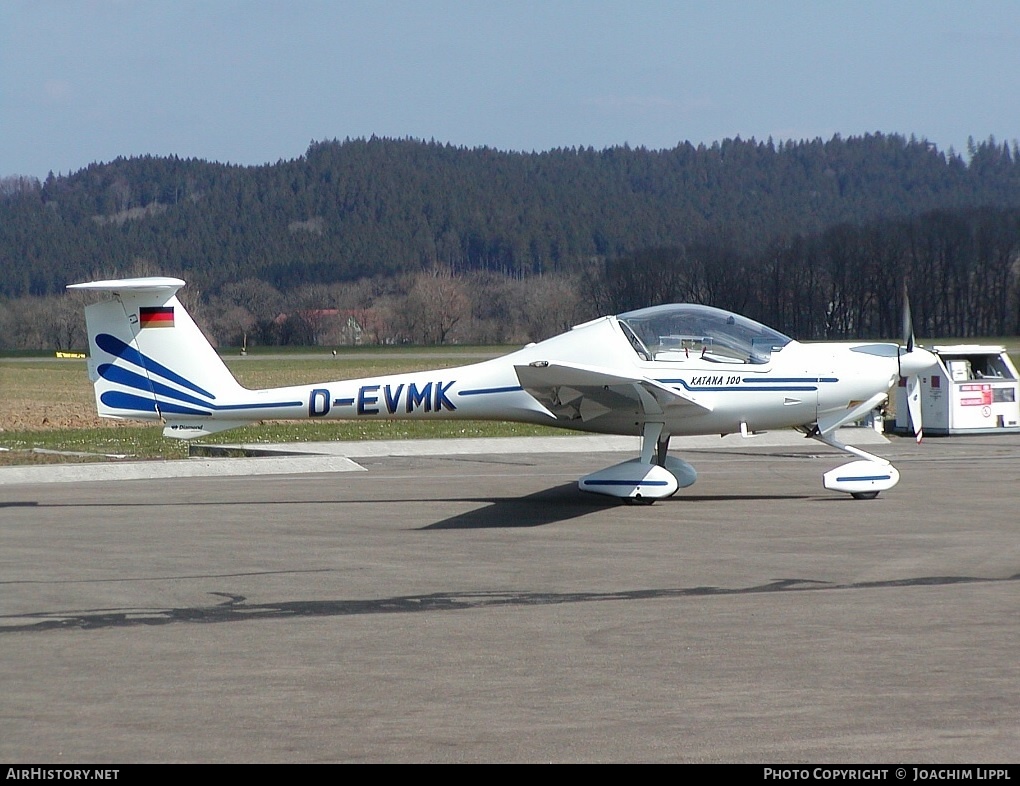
(475, 607)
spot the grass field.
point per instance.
(47, 408)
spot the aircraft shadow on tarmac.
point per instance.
(563, 503)
(548, 506)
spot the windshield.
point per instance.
(683, 331)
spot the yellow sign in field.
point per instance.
(71, 355)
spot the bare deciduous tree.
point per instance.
(436, 303)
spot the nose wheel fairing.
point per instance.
(862, 479)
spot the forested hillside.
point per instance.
(814, 237)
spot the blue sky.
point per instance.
(255, 81)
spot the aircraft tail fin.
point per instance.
(148, 360)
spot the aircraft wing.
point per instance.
(575, 392)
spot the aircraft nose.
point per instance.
(916, 361)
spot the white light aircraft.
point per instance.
(671, 370)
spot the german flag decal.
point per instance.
(156, 316)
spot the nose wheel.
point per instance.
(645, 501)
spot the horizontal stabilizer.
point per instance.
(153, 284)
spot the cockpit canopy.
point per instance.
(682, 331)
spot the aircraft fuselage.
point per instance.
(799, 383)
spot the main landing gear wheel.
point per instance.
(638, 500)
(864, 494)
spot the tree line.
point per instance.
(962, 269)
(813, 237)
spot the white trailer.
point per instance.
(974, 390)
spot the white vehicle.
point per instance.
(659, 372)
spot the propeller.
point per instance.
(911, 363)
(908, 322)
(914, 406)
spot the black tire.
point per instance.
(864, 494)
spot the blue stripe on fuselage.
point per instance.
(744, 388)
(178, 400)
(487, 391)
